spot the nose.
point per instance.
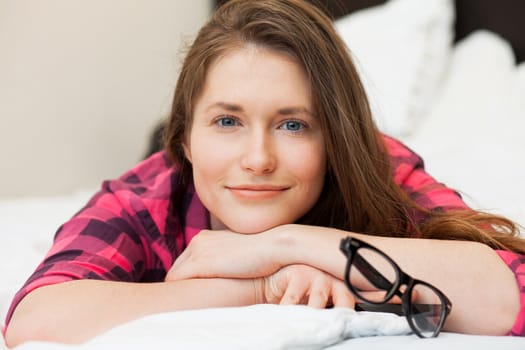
(258, 156)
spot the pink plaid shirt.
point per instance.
(129, 231)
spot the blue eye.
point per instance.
(293, 125)
(227, 122)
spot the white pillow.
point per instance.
(473, 138)
(401, 49)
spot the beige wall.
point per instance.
(82, 83)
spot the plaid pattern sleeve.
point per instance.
(516, 262)
(410, 175)
(126, 232)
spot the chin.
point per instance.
(252, 227)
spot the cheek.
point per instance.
(310, 162)
(209, 163)
(309, 168)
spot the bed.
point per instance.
(452, 92)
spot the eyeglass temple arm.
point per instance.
(371, 273)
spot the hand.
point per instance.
(303, 284)
(225, 254)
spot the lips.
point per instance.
(257, 191)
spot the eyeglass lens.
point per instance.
(376, 272)
(426, 310)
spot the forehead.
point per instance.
(249, 70)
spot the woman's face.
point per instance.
(256, 148)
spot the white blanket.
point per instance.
(252, 327)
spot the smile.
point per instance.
(256, 191)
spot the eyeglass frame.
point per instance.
(350, 245)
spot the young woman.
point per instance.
(271, 159)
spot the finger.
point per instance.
(184, 265)
(171, 274)
(181, 258)
(319, 292)
(415, 295)
(182, 268)
(295, 292)
(341, 296)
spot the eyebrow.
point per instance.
(283, 111)
(227, 106)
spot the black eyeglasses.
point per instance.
(424, 306)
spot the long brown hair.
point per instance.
(359, 194)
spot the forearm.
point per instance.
(73, 312)
(481, 287)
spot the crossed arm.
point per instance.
(482, 288)
(288, 264)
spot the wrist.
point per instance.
(309, 245)
(283, 245)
